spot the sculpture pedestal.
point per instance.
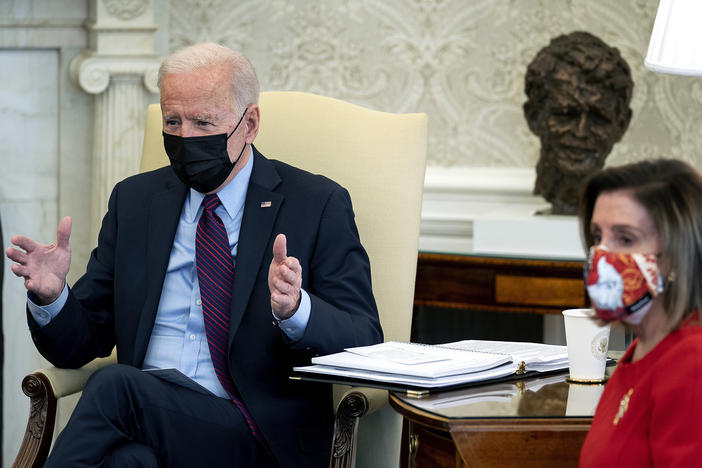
(517, 233)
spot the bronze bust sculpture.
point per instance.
(578, 91)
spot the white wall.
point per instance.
(28, 198)
(45, 126)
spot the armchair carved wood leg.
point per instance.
(40, 426)
(351, 408)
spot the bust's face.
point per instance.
(580, 124)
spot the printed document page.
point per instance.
(413, 359)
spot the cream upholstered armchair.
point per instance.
(380, 158)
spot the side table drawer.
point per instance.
(539, 291)
(501, 284)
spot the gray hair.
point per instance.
(245, 86)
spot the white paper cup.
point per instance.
(588, 343)
(583, 399)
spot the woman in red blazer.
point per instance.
(643, 223)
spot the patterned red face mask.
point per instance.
(622, 286)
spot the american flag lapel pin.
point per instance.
(265, 204)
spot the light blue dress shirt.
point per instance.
(178, 338)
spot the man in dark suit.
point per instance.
(205, 341)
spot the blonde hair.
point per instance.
(671, 192)
(245, 87)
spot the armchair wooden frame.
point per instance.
(40, 426)
(45, 386)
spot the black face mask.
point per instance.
(201, 162)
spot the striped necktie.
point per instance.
(215, 273)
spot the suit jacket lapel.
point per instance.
(260, 211)
(163, 216)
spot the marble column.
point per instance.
(120, 68)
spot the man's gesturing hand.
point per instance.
(43, 266)
(284, 280)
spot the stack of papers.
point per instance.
(438, 366)
(535, 356)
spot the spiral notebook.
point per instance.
(398, 364)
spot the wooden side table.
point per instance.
(492, 283)
(521, 424)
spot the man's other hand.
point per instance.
(284, 280)
(43, 266)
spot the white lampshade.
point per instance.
(676, 39)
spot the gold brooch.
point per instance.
(623, 406)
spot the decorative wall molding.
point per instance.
(455, 197)
(40, 32)
(93, 73)
(126, 9)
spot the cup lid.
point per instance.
(579, 313)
